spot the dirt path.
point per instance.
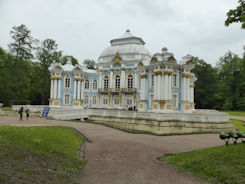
(239, 118)
(121, 158)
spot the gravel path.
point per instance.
(121, 158)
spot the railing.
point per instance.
(117, 90)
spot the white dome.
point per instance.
(129, 47)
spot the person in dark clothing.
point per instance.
(21, 113)
(27, 113)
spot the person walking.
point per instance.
(21, 113)
(27, 113)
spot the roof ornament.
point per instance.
(164, 50)
(117, 58)
(69, 61)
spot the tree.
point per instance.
(90, 64)
(205, 86)
(47, 53)
(21, 49)
(237, 15)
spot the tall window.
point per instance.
(175, 80)
(87, 84)
(116, 101)
(129, 101)
(117, 82)
(175, 101)
(94, 100)
(105, 101)
(139, 84)
(67, 99)
(67, 82)
(106, 82)
(95, 85)
(86, 100)
(130, 81)
(152, 81)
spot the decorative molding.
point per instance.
(143, 76)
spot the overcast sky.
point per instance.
(83, 28)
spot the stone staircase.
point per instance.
(68, 114)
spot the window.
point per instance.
(152, 81)
(67, 82)
(129, 101)
(116, 101)
(130, 81)
(87, 84)
(105, 101)
(94, 100)
(95, 85)
(86, 100)
(174, 101)
(67, 99)
(117, 82)
(175, 80)
(139, 84)
(106, 82)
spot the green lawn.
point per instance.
(218, 165)
(239, 125)
(6, 108)
(236, 113)
(39, 155)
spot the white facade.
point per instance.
(127, 77)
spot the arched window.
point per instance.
(130, 81)
(94, 100)
(95, 85)
(106, 82)
(67, 82)
(87, 84)
(117, 82)
(86, 100)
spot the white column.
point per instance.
(166, 87)
(184, 89)
(122, 79)
(100, 80)
(136, 81)
(59, 89)
(51, 88)
(187, 89)
(144, 88)
(79, 90)
(155, 87)
(75, 90)
(162, 87)
(192, 94)
(170, 87)
(82, 87)
(55, 88)
(111, 78)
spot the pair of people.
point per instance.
(21, 110)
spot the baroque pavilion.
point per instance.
(128, 76)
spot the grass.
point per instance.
(6, 108)
(224, 164)
(236, 113)
(239, 125)
(39, 155)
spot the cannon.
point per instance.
(234, 136)
(224, 136)
(241, 135)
